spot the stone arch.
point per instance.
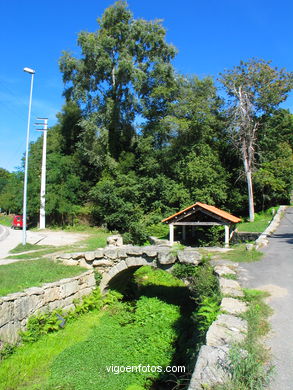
(122, 266)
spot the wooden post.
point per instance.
(171, 233)
(183, 232)
(227, 238)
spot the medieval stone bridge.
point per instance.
(116, 263)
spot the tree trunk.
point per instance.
(249, 188)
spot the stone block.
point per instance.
(103, 263)
(136, 261)
(121, 253)
(150, 251)
(134, 251)
(84, 292)
(27, 305)
(121, 266)
(68, 289)
(77, 256)
(166, 257)
(223, 270)
(189, 257)
(89, 256)
(83, 263)
(99, 253)
(210, 368)
(6, 313)
(13, 297)
(34, 291)
(56, 305)
(230, 287)
(226, 330)
(111, 253)
(233, 306)
(52, 294)
(9, 332)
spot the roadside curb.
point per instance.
(262, 239)
(5, 233)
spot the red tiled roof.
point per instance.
(223, 214)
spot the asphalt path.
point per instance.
(274, 273)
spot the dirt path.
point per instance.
(45, 237)
(274, 273)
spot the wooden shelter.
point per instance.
(201, 214)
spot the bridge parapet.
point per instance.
(112, 260)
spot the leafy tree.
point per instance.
(4, 177)
(256, 88)
(124, 71)
(274, 178)
(12, 193)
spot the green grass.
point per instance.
(5, 220)
(23, 274)
(98, 239)
(260, 223)
(38, 254)
(29, 366)
(123, 338)
(76, 357)
(240, 254)
(28, 247)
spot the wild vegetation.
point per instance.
(136, 141)
(155, 323)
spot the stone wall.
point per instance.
(16, 308)
(263, 238)
(112, 260)
(213, 358)
(239, 237)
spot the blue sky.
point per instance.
(210, 36)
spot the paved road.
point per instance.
(274, 273)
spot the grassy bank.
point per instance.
(5, 220)
(240, 254)
(154, 330)
(23, 274)
(261, 221)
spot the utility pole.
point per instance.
(31, 72)
(43, 174)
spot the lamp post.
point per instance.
(32, 72)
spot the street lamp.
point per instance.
(32, 72)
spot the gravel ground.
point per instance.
(46, 237)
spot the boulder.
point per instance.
(189, 257)
(166, 257)
(115, 240)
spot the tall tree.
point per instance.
(256, 88)
(124, 71)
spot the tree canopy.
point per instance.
(135, 141)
